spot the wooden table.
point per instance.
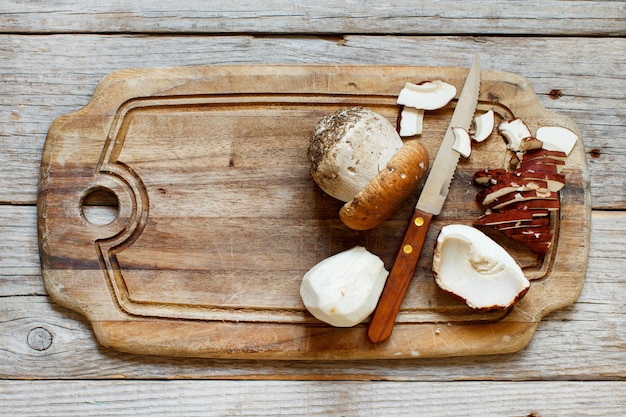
(54, 53)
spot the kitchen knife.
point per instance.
(429, 204)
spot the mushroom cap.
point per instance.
(388, 189)
(470, 265)
(348, 148)
(428, 95)
(343, 290)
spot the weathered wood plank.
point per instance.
(322, 16)
(44, 77)
(306, 398)
(585, 341)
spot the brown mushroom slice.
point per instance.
(540, 203)
(544, 153)
(530, 234)
(554, 180)
(496, 218)
(489, 195)
(538, 221)
(528, 230)
(547, 164)
(539, 243)
(387, 190)
(510, 219)
(517, 197)
(488, 176)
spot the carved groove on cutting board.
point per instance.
(109, 248)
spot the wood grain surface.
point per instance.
(54, 53)
(219, 218)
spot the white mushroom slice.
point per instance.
(411, 121)
(343, 290)
(429, 95)
(556, 138)
(462, 142)
(470, 265)
(514, 131)
(483, 126)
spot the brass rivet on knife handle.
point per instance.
(399, 277)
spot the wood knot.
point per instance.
(595, 153)
(555, 94)
(39, 339)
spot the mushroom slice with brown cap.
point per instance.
(471, 266)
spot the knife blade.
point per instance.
(429, 204)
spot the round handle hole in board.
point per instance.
(100, 206)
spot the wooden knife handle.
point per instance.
(399, 278)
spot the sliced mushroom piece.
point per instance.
(483, 126)
(428, 95)
(539, 220)
(496, 218)
(528, 230)
(514, 130)
(526, 202)
(462, 142)
(542, 164)
(488, 176)
(472, 266)
(529, 143)
(557, 138)
(555, 180)
(343, 290)
(539, 247)
(537, 242)
(543, 154)
(531, 234)
(490, 195)
(411, 121)
(509, 200)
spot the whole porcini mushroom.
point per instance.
(357, 156)
(343, 290)
(470, 265)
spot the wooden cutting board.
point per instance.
(216, 218)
